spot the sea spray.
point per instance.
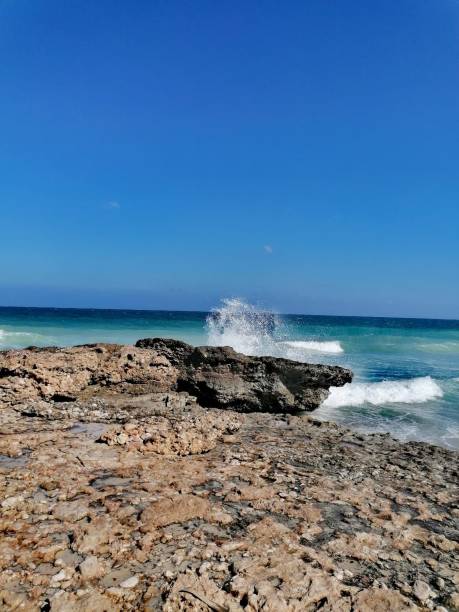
(254, 331)
(244, 327)
(376, 350)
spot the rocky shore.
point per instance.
(165, 477)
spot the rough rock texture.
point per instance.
(68, 373)
(193, 432)
(216, 376)
(132, 499)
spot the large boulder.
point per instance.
(221, 377)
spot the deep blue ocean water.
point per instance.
(406, 370)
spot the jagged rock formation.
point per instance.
(217, 377)
(221, 377)
(120, 492)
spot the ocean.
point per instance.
(406, 370)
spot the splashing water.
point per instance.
(252, 331)
(242, 326)
(406, 370)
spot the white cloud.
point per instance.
(268, 249)
(113, 204)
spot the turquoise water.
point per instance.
(406, 370)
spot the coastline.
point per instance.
(107, 505)
(406, 371)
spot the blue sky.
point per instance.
(304, 155)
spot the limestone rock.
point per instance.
(221, 377)
(198, 431)
(50, 380)
(120, 491)
(91, 567)
(174, 510)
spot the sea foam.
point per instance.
(410, 391)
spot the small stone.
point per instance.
(67, 558)
(91, 567)
(204, 568)
(453, 600)
(71, 511)
(421, 590)
(49, 485)
(11, 502)
(130, 583)
(221, 567)
(62, 575)
(46, 569)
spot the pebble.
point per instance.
(130, 583)
(422, 590)
(11, 502)
(440, 583)
(62, 575)
(91, 567)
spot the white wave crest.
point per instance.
(411, 391)
(329, 346)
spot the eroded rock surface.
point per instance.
(217, 376)
(134, 498)
(221, 377)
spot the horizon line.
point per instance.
(180, 310)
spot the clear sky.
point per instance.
(166, 154)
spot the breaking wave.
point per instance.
(242, 326)
(411, 391)
(254, 331)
